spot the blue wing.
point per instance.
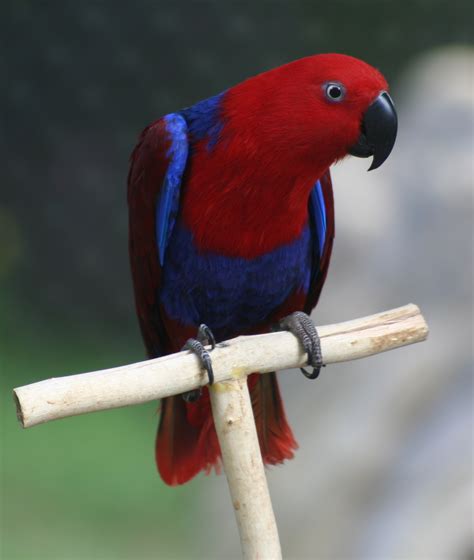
(167, 204)
(317, 211)
(321, 214)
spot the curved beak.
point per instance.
(378, 131)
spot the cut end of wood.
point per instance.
(424, 329)
(19, 410)
(52, 399)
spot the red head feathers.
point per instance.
(309, 110)
(278, 133)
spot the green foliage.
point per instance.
(84, 487)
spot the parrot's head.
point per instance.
(322, 108)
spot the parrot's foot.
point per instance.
(204, 337)
(303, 328)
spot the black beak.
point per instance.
(378, 131)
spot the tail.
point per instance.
(186, 441)
(276, 439)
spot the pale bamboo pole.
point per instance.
(171, 375)
(243, 466)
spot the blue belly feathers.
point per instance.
(231, 294)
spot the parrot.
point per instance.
(231, 229)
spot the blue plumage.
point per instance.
(168, 201)
(199, 120)
(204, 119)
(317, 212)
(231, 294)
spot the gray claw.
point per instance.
(303, 328)
(204, 337)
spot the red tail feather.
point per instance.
(187, 442)
(277, 442)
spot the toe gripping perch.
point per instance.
(196, 345)
(303, 328)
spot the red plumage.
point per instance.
(281, 135)
(243, 198)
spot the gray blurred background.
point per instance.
(384, 470)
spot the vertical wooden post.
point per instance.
(235, 426)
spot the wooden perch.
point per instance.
(243, 466)
(162, 377)
(232, 361)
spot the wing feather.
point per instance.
(321, 212)
(157, 166)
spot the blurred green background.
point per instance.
(80, 80)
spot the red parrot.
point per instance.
(232, 225)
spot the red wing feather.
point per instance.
(147, 171)
(177, 440)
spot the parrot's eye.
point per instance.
(334, 91)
